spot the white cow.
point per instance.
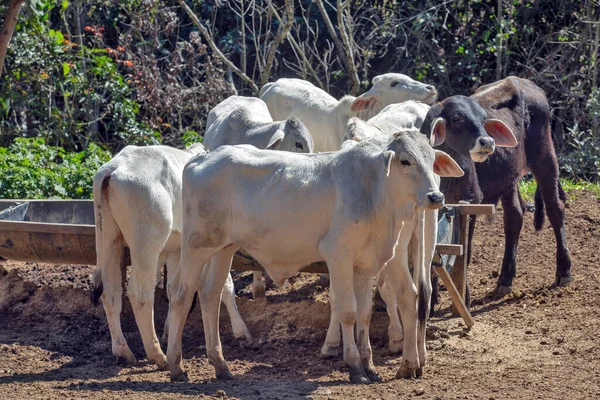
(246, 120)
(346, 208)
(325, 117)
(137, 203)
(421, 232)
(408, 115)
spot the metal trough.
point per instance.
(53, 231)
(62, 231)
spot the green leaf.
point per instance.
(66, 68)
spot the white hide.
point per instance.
(246, 120)
(325, 117)
(417, 241)
(287, 210)
(137, 203)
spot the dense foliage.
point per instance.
(30, 169)
(143, 71)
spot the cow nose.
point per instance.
(487, 143)
(430, 88)
(436, 199)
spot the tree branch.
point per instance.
(10, 21)
(334, 36)
(215, 49)
(299, 51)
(341, 8)
(283, 31)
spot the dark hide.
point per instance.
(523, 107)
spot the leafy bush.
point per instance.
(30, 169)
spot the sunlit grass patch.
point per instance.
(527, 188)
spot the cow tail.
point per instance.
(538, 216)
(101, 207)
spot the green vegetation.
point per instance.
(30, 169)
(84, 76)
(528, 187)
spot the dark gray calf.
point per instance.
(464, 128)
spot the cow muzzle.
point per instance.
(484, 147)
(434, 201)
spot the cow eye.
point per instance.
(394, 83)
(299, 145)
(405, 162)
(456, 118)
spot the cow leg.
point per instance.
(514, 207)
(258, 287)
(112, 300)
(424, 301)
(363, 292)
(240, 330)
(388, 294)
(331, 346)
(554, 199)
(407, 302)
(140, 291)
(343, 305)
(183, 283)
(213, 282)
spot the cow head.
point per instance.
(410, 159)
(292, 135)
(394, 88)
(465, 127)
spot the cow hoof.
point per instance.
(564, 281)
(419, 372)
(328, 352)
(372, 376)
(405, 372)
(163, 365)
(225, 375)
(248, 342)
(502, 291)
(358, 376)
(127, 360)
(180, 377)
(258, 292)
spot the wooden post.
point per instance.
(457, 303)
(459, 270)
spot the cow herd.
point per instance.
(355, 183)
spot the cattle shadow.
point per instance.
(239, 388)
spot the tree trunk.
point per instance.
(10, 21)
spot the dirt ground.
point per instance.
(538, 342)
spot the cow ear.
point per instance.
(276, 139)
(438, 132)
(388, 157)
(445, 166)
(500, 132)
(363, 103)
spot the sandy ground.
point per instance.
(538, 342)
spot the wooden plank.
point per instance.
(459, 270)
(457, 300)
(43, 227)
(472, 209)
(450, 249)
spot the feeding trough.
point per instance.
(62, 231)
